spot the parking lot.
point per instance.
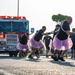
(42, 66)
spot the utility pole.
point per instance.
(18, 8)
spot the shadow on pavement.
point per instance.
(8, 57)
(33, 60)
(64, 63)
(18, 58)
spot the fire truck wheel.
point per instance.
(15, 54)
(10, 54)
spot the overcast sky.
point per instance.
(39, 12)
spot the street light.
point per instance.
(18, 8)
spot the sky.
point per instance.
(39, 12)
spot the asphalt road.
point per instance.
(42, 66)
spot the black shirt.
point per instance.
(38, 35)
(62, 34)
(47, 39)
(23, 39)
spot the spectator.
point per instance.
(73, 40)
(47, 40)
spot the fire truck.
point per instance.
(11, 27)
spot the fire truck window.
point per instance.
(20, 26)
(5, 26)
(26, 26)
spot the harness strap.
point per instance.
(62, 25)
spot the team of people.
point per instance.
(60, 39)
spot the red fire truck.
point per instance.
(11, 27)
